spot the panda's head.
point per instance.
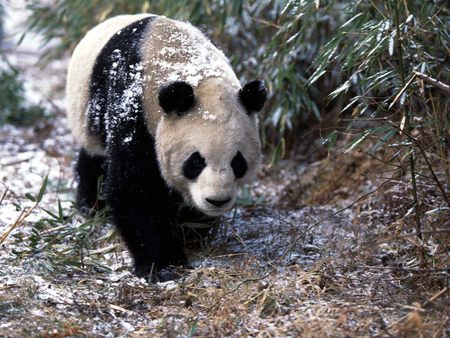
(207, 140)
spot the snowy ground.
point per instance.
(267, 272)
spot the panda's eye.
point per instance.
(194, 166)
(239, 165)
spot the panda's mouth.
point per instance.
(216, 207)
(218, 203)
(212, 202)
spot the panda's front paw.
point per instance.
(169, 273)
(155, 275)
(165, 267)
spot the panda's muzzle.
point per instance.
(218, 203)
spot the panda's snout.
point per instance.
(218, 203)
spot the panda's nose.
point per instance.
(218, 203)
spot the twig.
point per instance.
(432, 81)
(121, 309)
(398, 166)
(436, 296)
(4, 195)
(17, 161)
(368, 119)
(397, 268)
(15, 224)
(402, 91)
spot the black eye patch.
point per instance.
(193, 166)
(239, 165)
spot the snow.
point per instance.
(127, 326)
(208, 116)
(189, 56)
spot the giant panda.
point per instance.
(157, 110)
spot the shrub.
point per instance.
(12, 100)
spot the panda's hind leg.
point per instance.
(89, 170)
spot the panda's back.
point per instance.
(79, 76)
(166, 50)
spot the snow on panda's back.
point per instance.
(178, 51)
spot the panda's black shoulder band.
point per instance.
(177, 97)
(253, 96)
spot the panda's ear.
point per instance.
(177, 97)
(253, 96)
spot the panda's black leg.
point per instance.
(140, 205)
(88, 171)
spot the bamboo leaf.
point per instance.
(330, 140)
(355, 142)
(42, 190)
(30, 197)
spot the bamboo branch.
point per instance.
(25, 212)
(425, 157)
(432, 81)
(407, 115)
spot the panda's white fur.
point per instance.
(177, 51)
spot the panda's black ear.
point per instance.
(253, 96)
(177, 97)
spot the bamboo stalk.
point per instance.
(408, 117)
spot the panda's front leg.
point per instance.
(140, 203)
(88, 169)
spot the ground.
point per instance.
(269, 270)
(309, 252)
